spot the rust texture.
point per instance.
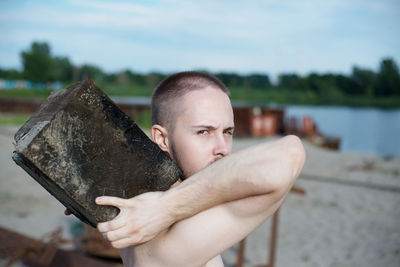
(80, 145)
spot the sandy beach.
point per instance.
(350, 215)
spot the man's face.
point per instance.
(203, 131)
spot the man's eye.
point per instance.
(202, 132)
(229, 132)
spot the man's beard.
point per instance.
(185, 175)
(175, 158)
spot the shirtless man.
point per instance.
(222, 197)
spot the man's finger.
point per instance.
(112, 225)
(121, 233)
(110, 201)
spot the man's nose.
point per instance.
(221, 146)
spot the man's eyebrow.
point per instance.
(208, 127)
(211, 127)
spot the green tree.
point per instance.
(137, 78)
(364, 81)
(388, 80)
(313, 82)
(153, 78)
(230, 79)
(63, 69)
(38, 64)
(10, 74)
(327, 84)
(92, 72)
(292, 81)
(346, 85)
(257, 81)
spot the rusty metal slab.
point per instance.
(80, 145)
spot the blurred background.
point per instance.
(326, 71)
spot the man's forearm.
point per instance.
(263, 169)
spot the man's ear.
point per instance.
(160, 137)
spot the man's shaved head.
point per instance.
(165, 106)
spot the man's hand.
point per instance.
(140, 219)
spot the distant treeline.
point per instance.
(39, 65)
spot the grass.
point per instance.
(13, 119)
(25, 93)
(126, 90)
(257, 96)
(143, 119)
(285, 96)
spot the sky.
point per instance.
(272, 37)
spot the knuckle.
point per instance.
(108, 236)
(122, 212)
(112, 224)
(101, 227)
(135, 230)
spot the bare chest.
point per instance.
(215, 262)
(131, 259)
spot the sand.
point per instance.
(350, 215)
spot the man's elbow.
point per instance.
(297, 154)
(291, 163)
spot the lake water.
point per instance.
(369, 130)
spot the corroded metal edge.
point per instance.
(54, 189)
(44, 112)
